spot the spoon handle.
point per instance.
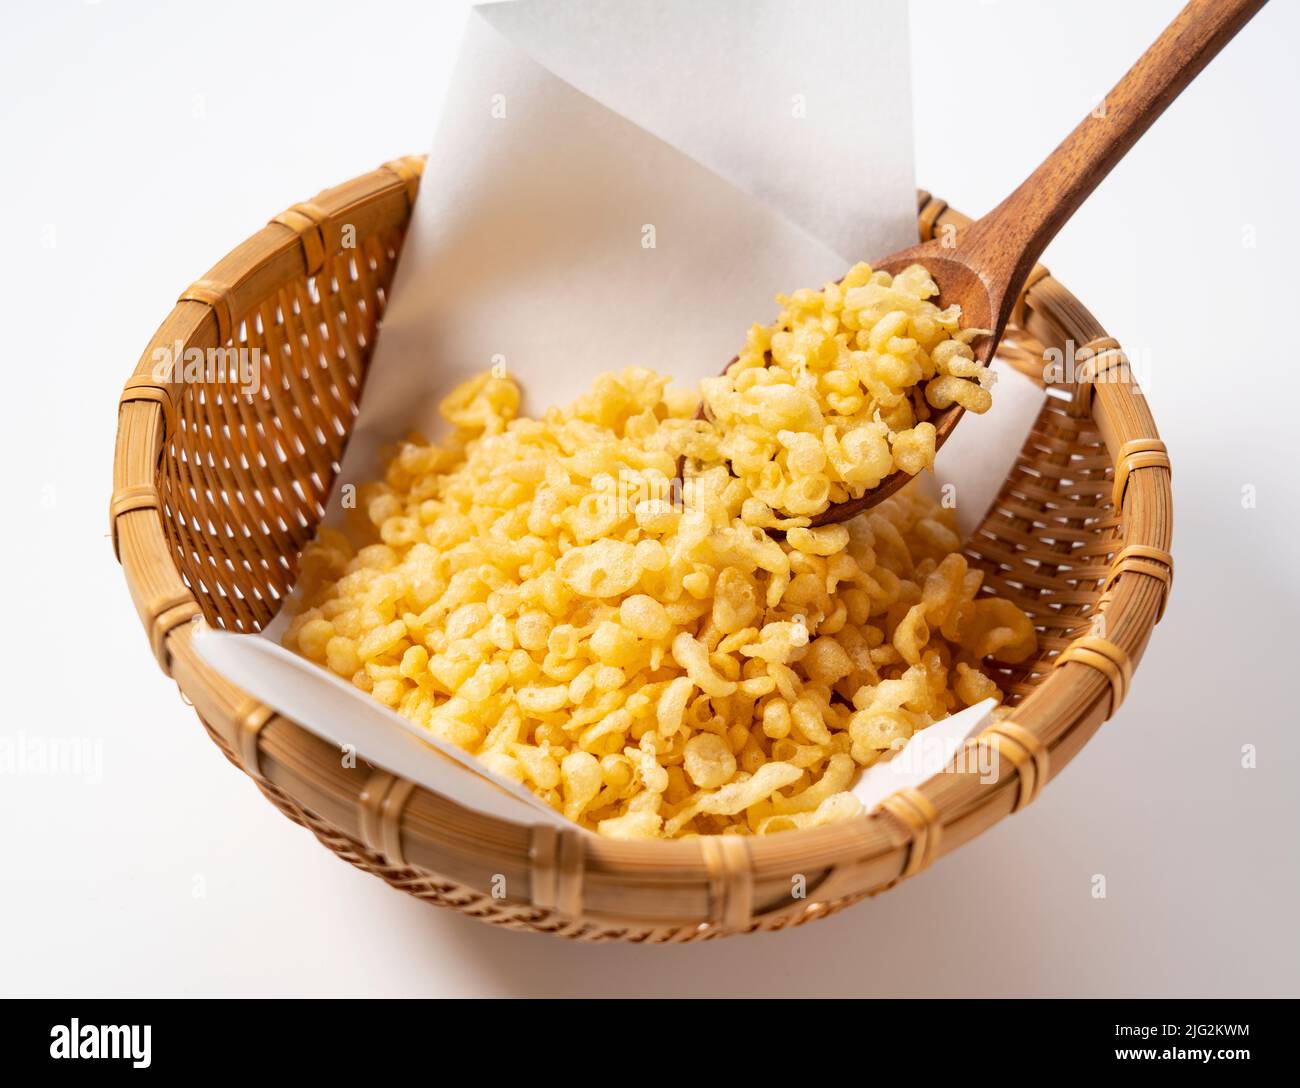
(1007, 242)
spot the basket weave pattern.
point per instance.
(216, 492)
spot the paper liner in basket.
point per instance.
(618, 184)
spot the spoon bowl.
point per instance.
(958, 284)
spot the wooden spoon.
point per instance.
(984, 271)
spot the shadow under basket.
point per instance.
(216, 492)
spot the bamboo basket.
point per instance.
(216, 493)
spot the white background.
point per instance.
(142, 141)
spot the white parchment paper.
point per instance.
(616, 183)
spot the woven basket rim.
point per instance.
(874, 851)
